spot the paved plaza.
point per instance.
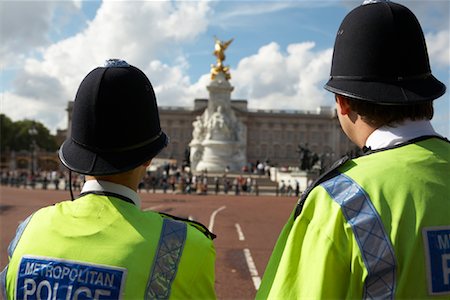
(247, 227)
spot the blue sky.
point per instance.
(279, 59)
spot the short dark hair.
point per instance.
(378, 115)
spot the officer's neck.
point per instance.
(353, 125)
(130, 179)
(360, 133)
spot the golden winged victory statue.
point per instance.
(219, 52)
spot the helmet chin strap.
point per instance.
(70, 185)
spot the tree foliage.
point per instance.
(24, 134)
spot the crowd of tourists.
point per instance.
(168, 178)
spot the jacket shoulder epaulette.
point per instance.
(333, 170)
(330, 173)
(197, 225)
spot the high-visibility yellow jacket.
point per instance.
(377, 227)
(101, 247)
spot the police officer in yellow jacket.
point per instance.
(101, 245)
(377, 226)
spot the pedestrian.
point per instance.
(154, 182)
(282, 188)
(216, 185)
(289, 189)
(255, 187)
(237, 186)
(56, 182)
(205, 184)
(377, 226)
(45, 182)
(102, 245)
(226, 184)
(165, 184)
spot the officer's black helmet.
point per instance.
(380, 56)
(115, 122)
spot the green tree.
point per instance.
(22, 135)
(6, 132)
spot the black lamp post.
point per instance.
(33, 132)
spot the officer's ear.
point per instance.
(147, 163)
(342, 104)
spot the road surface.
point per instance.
(246, 227)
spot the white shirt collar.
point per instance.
(106, 186)
(387, 136)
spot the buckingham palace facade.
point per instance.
(272, 135)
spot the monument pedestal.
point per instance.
(219, 138)
(221, 155)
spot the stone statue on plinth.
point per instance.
(219, 138)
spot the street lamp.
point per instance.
(33, 132)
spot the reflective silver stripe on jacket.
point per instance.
(167, 258)
(374, 244)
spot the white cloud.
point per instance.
(19, 35)
(438, 45)
(186, 21)
(173, 87)
(19, 107)
(170, 84)
(138, 33)
(26, 28)
(151, 35)
(292, 80)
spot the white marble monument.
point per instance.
(219, 138)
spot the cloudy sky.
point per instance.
(279, 59)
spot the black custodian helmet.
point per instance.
(380, 56)
(115, 122)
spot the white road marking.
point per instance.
(239, 232)
(153, 207)
(213, 216)
(252, 268)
